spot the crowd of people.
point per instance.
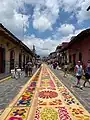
(79, 72)
(28, 69)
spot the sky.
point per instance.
(45, 23)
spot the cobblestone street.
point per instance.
(82, 95)
(9, 89)
(46, 97)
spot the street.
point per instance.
(82, 95)
(10, 88)
(44, 59)
(45, 96)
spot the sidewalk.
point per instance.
(4, 75)
(82, 95)
(10, 88)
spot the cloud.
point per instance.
(11, 19)
(43, 46)
(68, 37)
(46, 46)
(69, 5)
(66, 29)
(42, 23)
(45, 15)
(78, 8)
(83, 14)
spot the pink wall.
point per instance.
(83, 46)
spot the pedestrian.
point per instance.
(30, 66)
(65, 69)
(39, 64)
(26, 70)
(87, 74)
(36, 64)
(78, 71)
(30, 69)
(54, 65)
(17, 73)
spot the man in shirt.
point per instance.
(78, 71)
(87, 74)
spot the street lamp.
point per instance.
(88, 8)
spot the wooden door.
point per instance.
(2, 60)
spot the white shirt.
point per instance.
(79, 70)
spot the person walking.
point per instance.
(54, 65)
(87, 74)
(65, 69)
(26, 70)
(30, 66)
(78, 72)
(17, 72)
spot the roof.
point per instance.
(13, 38)
(52, 53)
(78, 38)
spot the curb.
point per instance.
(7, 78)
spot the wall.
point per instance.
(83, 46)
(8, 45)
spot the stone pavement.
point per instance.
(82, 95)
(9, 89)
(3, 75)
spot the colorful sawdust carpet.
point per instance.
(45, 98)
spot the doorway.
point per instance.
(24, 61)
(80, 56)
(20, 61)
(2, 60)
(12, 57)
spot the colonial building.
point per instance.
(52, 56)
(79, 48)
(12, 51)
(61, 55)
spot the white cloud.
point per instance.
(45, 15)
(34, 2)
(66, 29)
(42, 23)
(78, 7)
(68, 37)
(11, 19)
(43, 46)
(46, 46)
(69, 5)
(83, 14)
(46, 12)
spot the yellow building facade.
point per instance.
(12, 51)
